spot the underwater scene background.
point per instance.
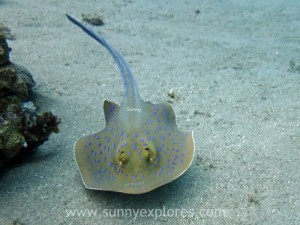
(229, 68)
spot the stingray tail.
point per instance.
(130, 87)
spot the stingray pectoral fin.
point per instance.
(186, 155)
(83, 159)
(190, 150)
(110, 110)
(93, 156)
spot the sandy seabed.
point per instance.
(232, 62)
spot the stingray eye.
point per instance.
(122, 158)
(149, 154)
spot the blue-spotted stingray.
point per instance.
(140, 148)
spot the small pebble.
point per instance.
(171, 94)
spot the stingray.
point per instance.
(140, 148)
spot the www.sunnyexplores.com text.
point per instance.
(153, 213)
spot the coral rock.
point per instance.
(22, 130)
(4, 51)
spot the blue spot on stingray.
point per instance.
(115, 136)
(113, 145)
(134, 146)
(139, 152)
(121, 132)
(157, 120)
(111, 129)
(99, 144)
(90, 143)
(142, 140)
(153, 138)
(104, 159)
(162, 137)
(158, 149)
(135, 135)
